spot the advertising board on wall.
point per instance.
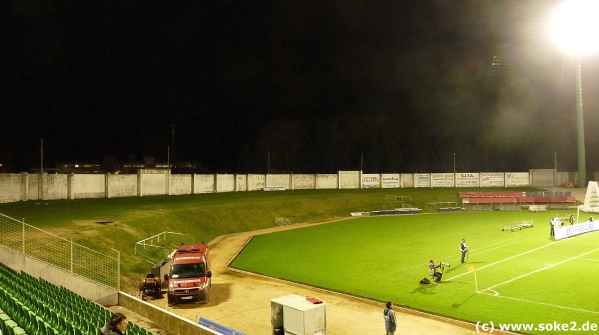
(516, 179)
(422, 180)
(371, 181)
(492, 179)
(152, 171)
(391, 180)
(577, 229)
(442, 179)
(467, 179)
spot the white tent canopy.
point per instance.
(591, 198)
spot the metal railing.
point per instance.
(156, 241)
(286, 221)
(41, 245)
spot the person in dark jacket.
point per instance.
(117, 325)
(463, 249)
(389, 314)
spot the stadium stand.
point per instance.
(36, 307)
(515, 200)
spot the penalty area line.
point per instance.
(503, 260)
(541, 269)
(543, 303)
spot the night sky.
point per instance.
(317, 86)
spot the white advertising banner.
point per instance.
(371, 181)
(442, 179)
(516, 179)
(467, 180)
(391, 180)
(577, 229)
(492, 179)
(422, 180)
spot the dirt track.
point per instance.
(242, 301)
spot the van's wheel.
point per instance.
(206, 296)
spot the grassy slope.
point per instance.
(204, 217)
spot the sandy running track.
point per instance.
(242, 301)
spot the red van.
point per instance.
(189, 278)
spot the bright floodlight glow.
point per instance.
(575, 26)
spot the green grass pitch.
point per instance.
(522, 276)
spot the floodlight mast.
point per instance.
(573, 26)
(582, 169)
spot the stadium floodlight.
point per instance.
(574, 27)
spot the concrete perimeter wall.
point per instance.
(148, 182)
(164, 318)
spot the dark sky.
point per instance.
(317, 84)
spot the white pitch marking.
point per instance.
(503, 260)
(541, 269)
(589, 259)
(495, 293)
(544, 303)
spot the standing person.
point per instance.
(390, 324)
(117, 325)
(463, 249)
(552, 224)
